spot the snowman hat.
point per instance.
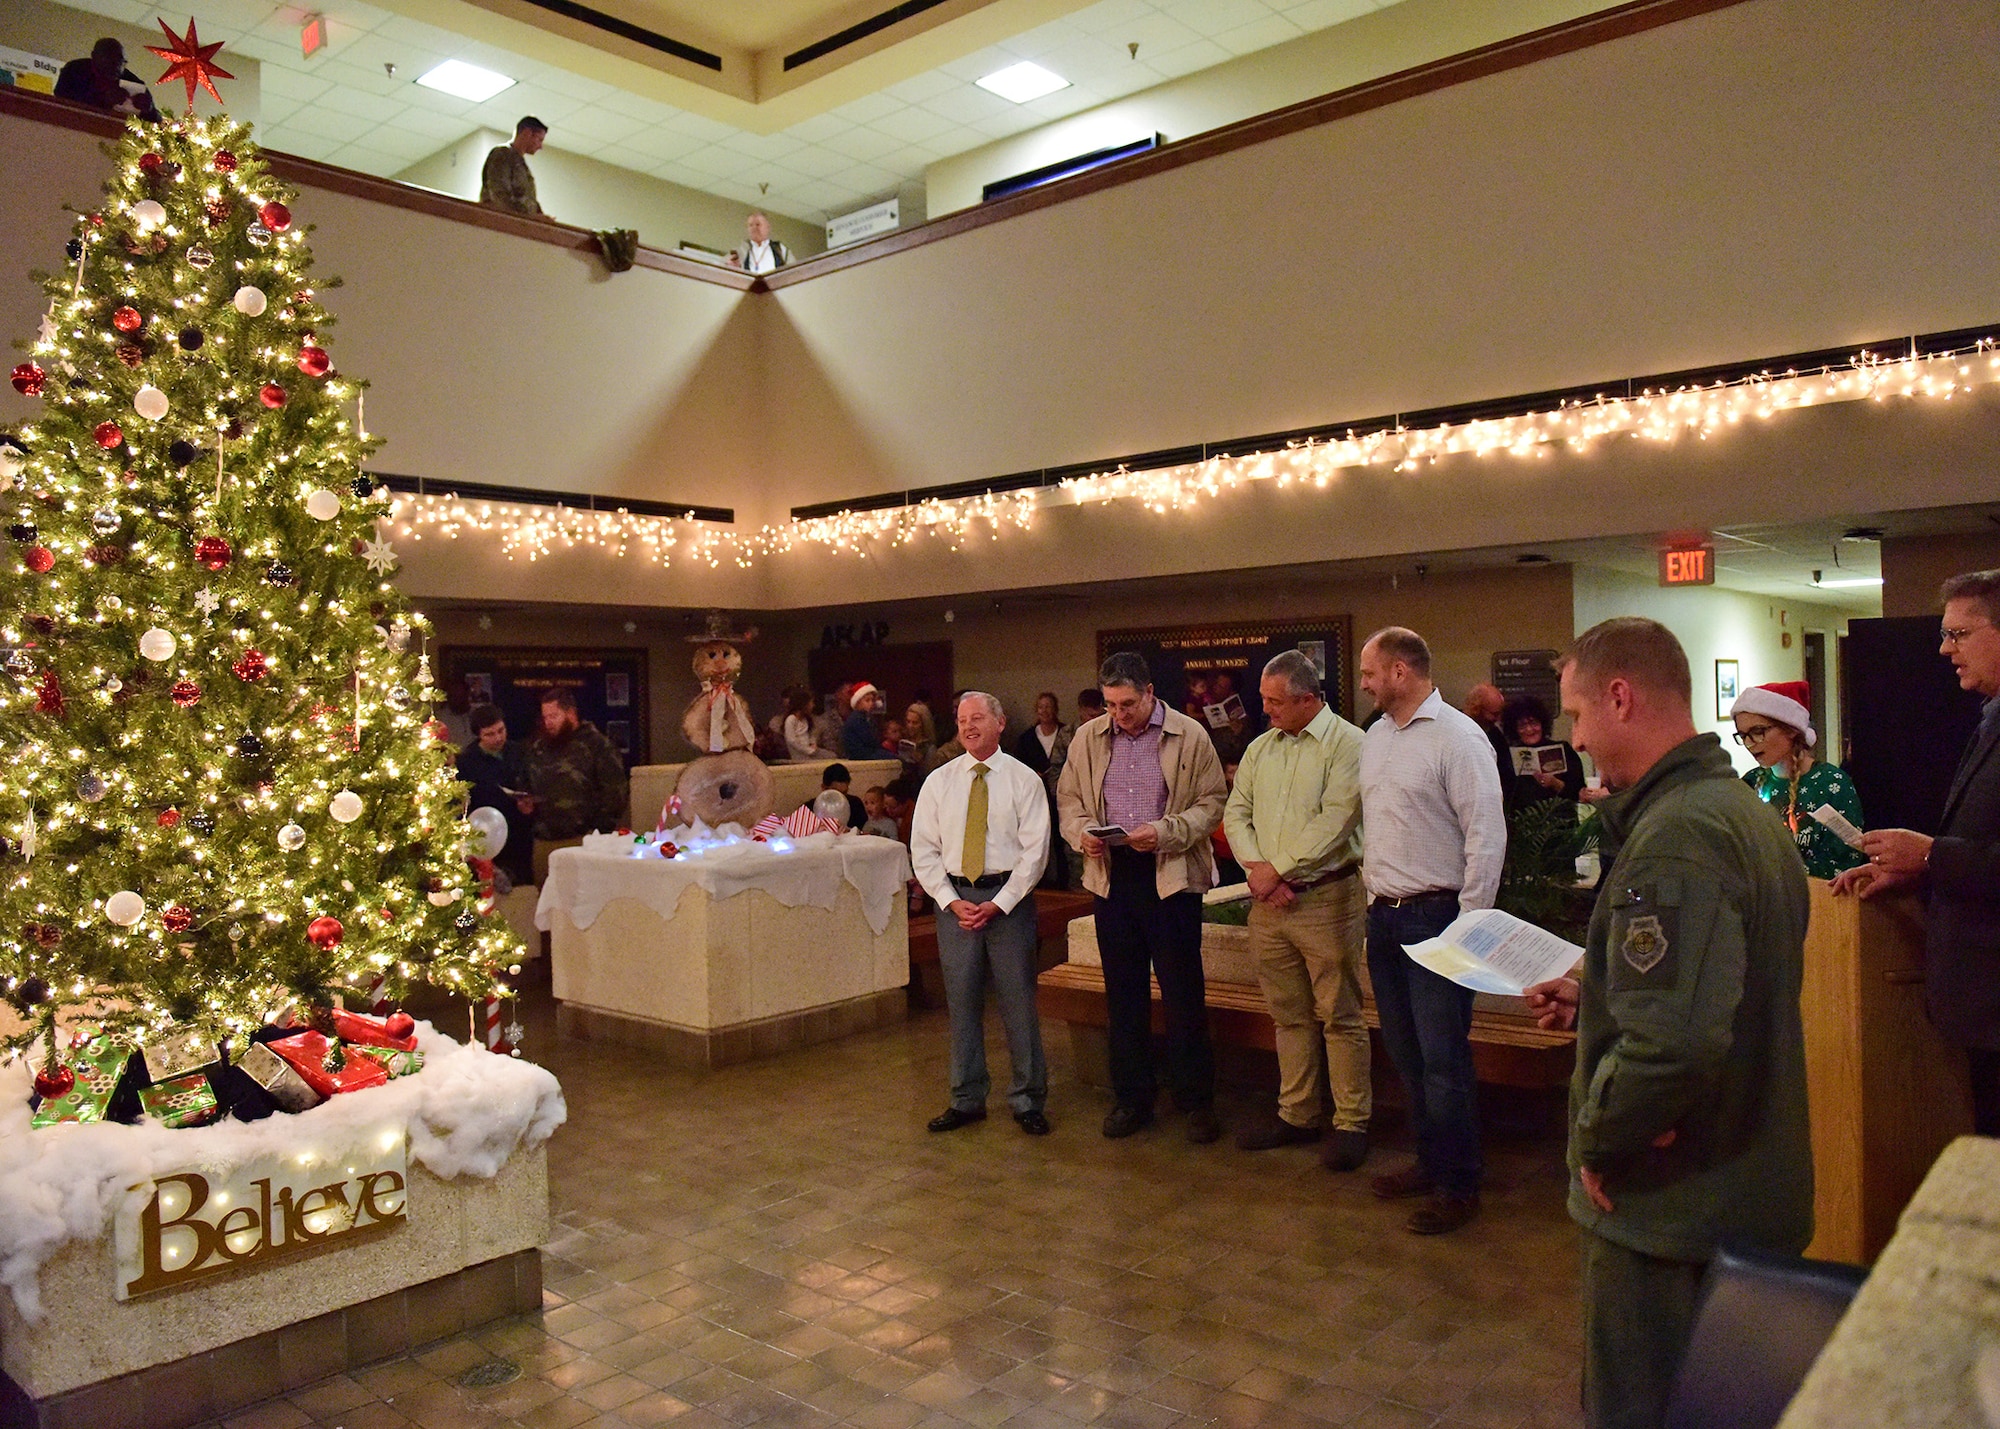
(1784, 701)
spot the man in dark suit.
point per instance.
(1959, 870)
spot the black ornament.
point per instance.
(190, 339)
(250, 747)
(32, 992)
(183, 453)
(77, 384)
(363, 487)
(22, 531)
(466, 922)
(74, 248)
(202, 823)
(278, 574)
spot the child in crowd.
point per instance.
(878, 822)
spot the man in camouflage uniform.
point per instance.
(1688, 1110)
(576, 781)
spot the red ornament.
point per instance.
(40, 559)
(187, 694)
(272, 395)
(439, 731)
(49, 696)
(168, 818)
(399, 1025)
(127, 320)
(212, 552)
(53, 1081)
(313, 361)
(149, 161)
(225, 162)
(251, 666)
(108, 434)
(176, 919)
(28, 379)
(191, 62)
(275, 216)
(325, 933)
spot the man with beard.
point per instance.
(576, 781)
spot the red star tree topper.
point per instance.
(191, 62)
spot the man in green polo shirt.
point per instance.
(1294, 823)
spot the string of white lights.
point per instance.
(532, 532)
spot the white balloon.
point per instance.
(150, 402)
(832, 804)
(125, 908)
(441, 897)
(491, 827)
(158, 644)
(345, 807)
(322, 505)
(148, 213)
(249, 301)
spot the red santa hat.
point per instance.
(860, 692)
(1785, 701)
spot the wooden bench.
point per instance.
(1508, 1049)
(1054, 911)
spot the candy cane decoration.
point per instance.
(492, 1020)
(378, 996)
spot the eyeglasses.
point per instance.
(1954, 638)
(1756, 734)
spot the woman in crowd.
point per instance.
(1044, 747)
(1525, 719)
(921, 734)
(1775, 726)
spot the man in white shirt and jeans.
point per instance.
(977, 844)
(1436, 836)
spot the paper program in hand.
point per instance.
(1490, 951)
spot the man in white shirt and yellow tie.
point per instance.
(978, 841)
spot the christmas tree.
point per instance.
(219, 793)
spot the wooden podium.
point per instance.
(1887, 1093)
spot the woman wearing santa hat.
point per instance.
(1774, 725)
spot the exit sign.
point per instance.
(1690, 565)
(312, 35)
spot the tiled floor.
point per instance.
(782, 1245)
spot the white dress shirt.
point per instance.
(1017, 827)
(1430, 807)
(758, 258)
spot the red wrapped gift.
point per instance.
(369, 1031)
(306, 1051)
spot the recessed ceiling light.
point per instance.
(1022, 82)
(463, 81)
(1847, 582)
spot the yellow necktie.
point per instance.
(972, 855)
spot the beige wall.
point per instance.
(597, 196)
(1914, 567)
(62, 34)
(1407, 34)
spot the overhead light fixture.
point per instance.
(1022, 82)
(1845, 582)
(463, 81)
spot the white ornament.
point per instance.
(344, 807)
(442, 897)
(125, 908)
(150, 402)
(158, 644)
(250, 301)
(380, 555)
(31, 839)
(291, 838)
(148, 213)
(322, 505)
(206, 600)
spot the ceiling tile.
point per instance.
(361, 104)
(326, 124)
(1202, 54)
(289, 140)
(371, 161)
(966, 104)
(1113, 15)
(718, 163)
(912, 126)
(866, 144)
(659, 144)
(918, 88)
(594, 124)
(695, 126)
(763, 146)
(1318, 14)
(1258, 35)
(869, 108)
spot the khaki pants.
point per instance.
(545, 847)
(1309, 965)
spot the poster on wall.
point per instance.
(609, 686)
(1210, 672)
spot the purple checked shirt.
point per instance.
(1135, 788)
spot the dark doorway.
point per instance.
(1815, 658)
(609, 685)
(1907, 721)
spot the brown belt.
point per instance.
(1346, 870)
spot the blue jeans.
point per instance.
(1427, 1031)
(1003, 953)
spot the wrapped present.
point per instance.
(327, 1067)
(177, 1056)
(801, 822)
(98, 1064)
(183, 1101)
(366, 1031)
(278, 1080)
(394, 1062)
(770, 824)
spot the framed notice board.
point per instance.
(1210, 672)
(609, 685)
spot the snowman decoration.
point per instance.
(727, 784)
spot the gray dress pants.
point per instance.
(1002, 953)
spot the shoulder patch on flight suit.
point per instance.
(1645, 943)
(1645, 924)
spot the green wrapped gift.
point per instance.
(183, 1101)
(97, 1063)
(398, 1063)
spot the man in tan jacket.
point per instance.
(1138, 797)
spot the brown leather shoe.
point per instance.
(1412, 1180)
(1442, 1214)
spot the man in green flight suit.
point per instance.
(1688, 1110)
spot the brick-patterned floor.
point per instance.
(782, 1245)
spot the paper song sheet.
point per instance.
(1490, 951)
(1837, 825)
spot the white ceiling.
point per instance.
(342, 107)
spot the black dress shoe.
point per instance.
(952, 1118)
(1032, 1122)
(1274, 1133)
(1442, 1214)
(1202, 1126)
(1124, 1119)
(1344, 1151)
